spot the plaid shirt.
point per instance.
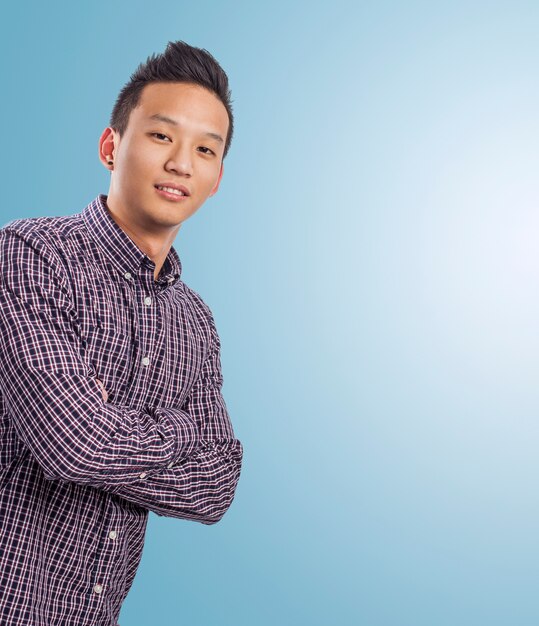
(77, 474)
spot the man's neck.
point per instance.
(155, 245)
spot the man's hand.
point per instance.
(103, 391)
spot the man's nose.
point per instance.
(180, 161)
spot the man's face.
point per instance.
(169, 159)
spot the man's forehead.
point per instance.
(175, 103)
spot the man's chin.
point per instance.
(167, 219)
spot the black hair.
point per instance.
(181, 63)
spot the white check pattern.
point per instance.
(78, 475)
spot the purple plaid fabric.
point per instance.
(78, 475)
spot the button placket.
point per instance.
(147, 301)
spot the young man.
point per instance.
(110, 375)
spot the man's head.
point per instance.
(170, 129)
(180, 63)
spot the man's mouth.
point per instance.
(174, 190)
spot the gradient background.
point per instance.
(371, 260)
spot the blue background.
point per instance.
(372, 263)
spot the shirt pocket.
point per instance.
(111, 354)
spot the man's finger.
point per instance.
(103, 391)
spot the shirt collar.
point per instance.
(120, 248)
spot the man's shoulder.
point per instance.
(196, 300)
(34, 245)
(18, 234)
(42, 226)
(44, 234)
(204, 318)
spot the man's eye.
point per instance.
(206, 150)
(160, 136)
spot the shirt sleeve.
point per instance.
(200, 487)
(50, 391)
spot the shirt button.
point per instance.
(113, 534)
(98, 588)
(145, 361)
(127, 276)
(170, 465)
(148, 301)
(143, 475)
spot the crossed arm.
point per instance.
(205, 480)
(181, 463)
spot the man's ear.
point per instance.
(107, 145)
(216, 186)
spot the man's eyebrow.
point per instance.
(215, 136)
(163, 118)
(169, 120)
